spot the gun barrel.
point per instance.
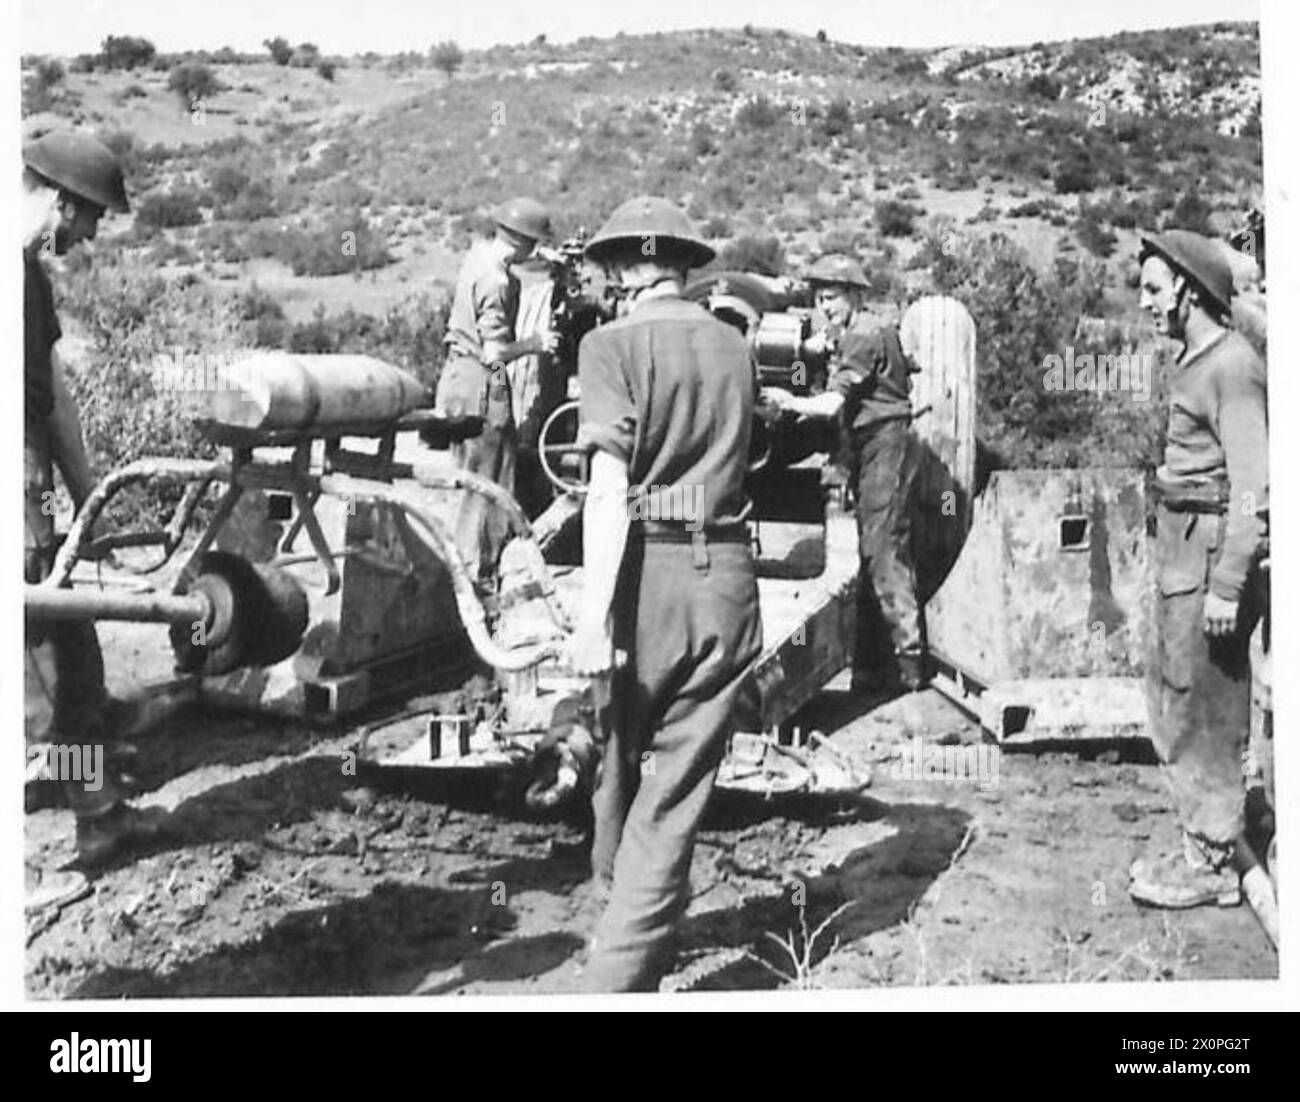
(47, 603)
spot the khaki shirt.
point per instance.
(873, 373)
(1218, 432)
(486, 305)
(669, 389)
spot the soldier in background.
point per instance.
(1209, 535)
(1246, 257)
(869, 392)
(474, 387)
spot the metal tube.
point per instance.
(45, 603)
(142, 470)
(468, 604)
(435, 478)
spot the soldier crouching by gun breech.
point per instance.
(869, 392)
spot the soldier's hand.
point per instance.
(775, 397)
(1219, 616)
(820, 343)
(589, 651)
(547, 342)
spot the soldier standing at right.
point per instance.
(1211, 493)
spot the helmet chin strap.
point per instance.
(1176, 315)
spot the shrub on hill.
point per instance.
(227, 181)
(894, 219)
(1073, 175)
(165, 210)
(409, 335)
(131, 315)
(1092, 233)
(758, 113)
(349, 244)
(754, 252)
(1023, 315)
(1190, 212)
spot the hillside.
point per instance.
(293, 210)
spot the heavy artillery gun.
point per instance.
(378, 604)
(327, 581)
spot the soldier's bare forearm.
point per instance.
(826, 405)
(604, 538)
(508, 351)
(67, 445)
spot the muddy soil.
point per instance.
(286, 872)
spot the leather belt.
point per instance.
(1211, 497)
(661, 531)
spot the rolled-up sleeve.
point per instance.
(848, 381)
(858, 362)
(606, 411)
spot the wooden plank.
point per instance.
(938, 333)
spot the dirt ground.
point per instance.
(285, 875)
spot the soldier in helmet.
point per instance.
(1211, 499)
(667, 400)
(69, 181)
(474, 387)
(869, 392)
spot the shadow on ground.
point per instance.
(383, 944)
(877, 885)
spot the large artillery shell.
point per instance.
(282, 390)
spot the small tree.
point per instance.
(280, 50)
(49, 71)
(126, 51)
(447, 57)
(326, 70)
(306, 56)
(192, 80)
